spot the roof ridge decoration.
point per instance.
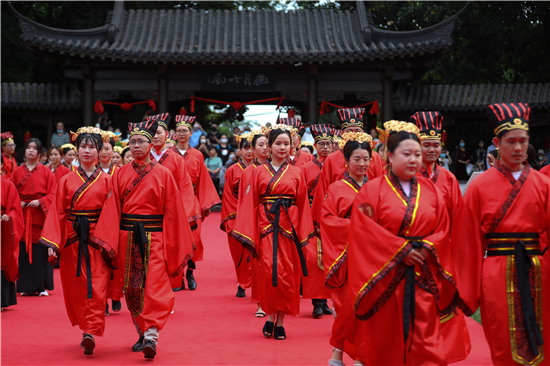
(239, 37)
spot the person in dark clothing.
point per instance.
(223, 149)
(462, 158)
(481, 157)
(214, 136)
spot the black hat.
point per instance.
(351, 117)
(163, 119)
(505, 117)
(322, 132)
(147, 128)
(429, 123)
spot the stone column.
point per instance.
(88, 97)
(162, 105)
(387, 95)
(312, 96)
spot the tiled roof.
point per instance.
(40, 96)
(260, 36)
(469, 97)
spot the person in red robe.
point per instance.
(274, 224)
(117, 156)
(456, 338)
(503, 231)
(400, 268)
(70, 223)
(171, 140)
(139, 215)
(241, 258)
(55, 165)
(173, 161)
(335, 220)
(8, 148)
(261, 152)
(297, 157)
(545, 170)
(205, 192)
(36, 186)
(313, 286)
(12, 230)
(351, 120)
(69, 154)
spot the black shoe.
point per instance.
(280, 333)
(107, 310)
(138, 347)
(191, 280)
(117, 306)
(149, 349)
(317, 310)
(268, 329)
(88, 343)
(324, 306)
(241, 292)
(181, 288)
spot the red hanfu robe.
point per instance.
(146, 198)
(10, 164)
(497, 215)
(12, 230)
(333, 170)
(59, 171)
(334, 222)
(241, 258)
(456, 338)
(385, 226)
(545, 170)
(71, 167)
(78, 199)
(278, 274)
(205, 192)
(176, 165)
(313, 286)
(300, 159)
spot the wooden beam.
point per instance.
(88, 96)
(312, 95)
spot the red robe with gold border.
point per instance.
(279, 263)
(72, 219)
(456, 338)
(313, 286)
(386, 225)
(300, 159)
(59, 171)
(241, 258)
(334, 222)
(12, 230)
(140, 216)
(499, 214)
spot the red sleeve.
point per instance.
(12, 230)
(230, 200)
(246, 227)
(305, 228)
(205, 190)
(187, 195)
(50, 183)
(375, 167)
(54, 232)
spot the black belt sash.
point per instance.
(276, 203)
(81, 225)
(409, 297)
(520, 245)
(140, 225)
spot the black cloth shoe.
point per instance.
(88, 343)
(317, 310)
(117, 306)
(149, 349)
(324, 306)
(138, 347)
(191, 280)
(241, 292)
(107, 310)
(181, 288)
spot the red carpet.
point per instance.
(210, 326)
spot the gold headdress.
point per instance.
(109, 135)
(118, 149)
(396, 126)
(244, 135)
(288, 128)
(89, 129)
(259, 131)
(68, 146)
(306, 143)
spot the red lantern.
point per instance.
(237, 105)
(27, 136)
(126, 107)
(183, 111)
(290, 113)
(444, 137)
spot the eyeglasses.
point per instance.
(138, 142)
(324, 144)
(180, 132)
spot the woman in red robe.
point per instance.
(274, 224)
(36, 186)
(58, 169)
(141, 215)
(71, 222)
(504, 234)
(335, 221)
(69, 154)
(205, 192)
(241, 260)
(400, 272)
(261, 152)
(12, 230)
(297, 157)
(8, 148)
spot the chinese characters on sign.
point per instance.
(238, 79)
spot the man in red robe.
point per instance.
(8, 148)
(453, 329)
(206, 195)
(503, 231)
(297, 157)
(173, 161)
(140, 214)
(313, 286)
(351, 120)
